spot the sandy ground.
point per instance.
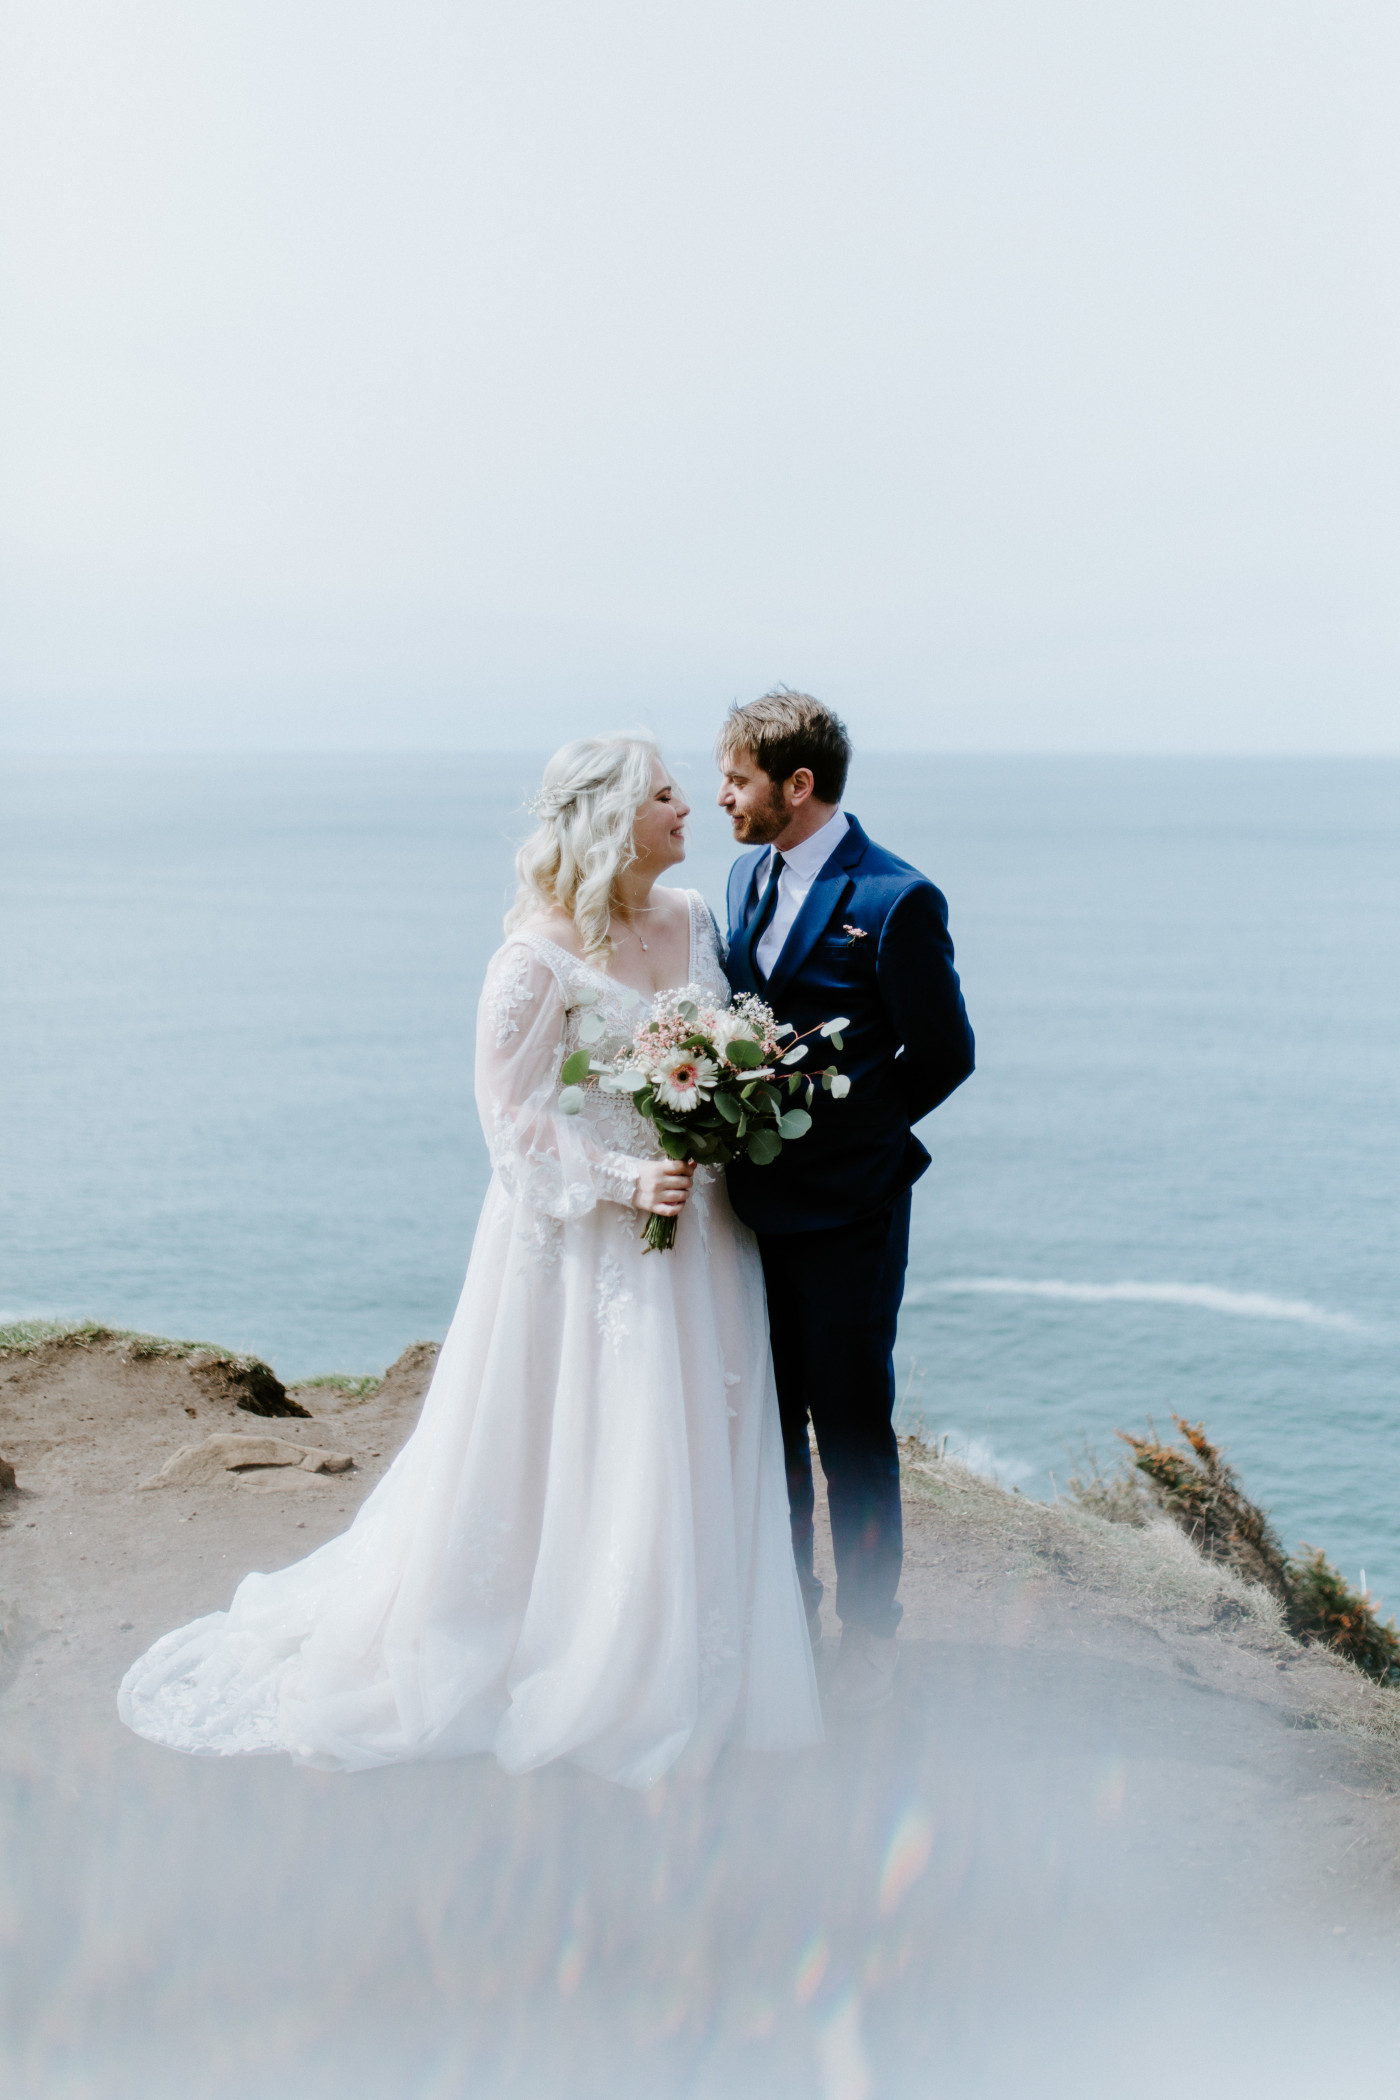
(1109, 1778)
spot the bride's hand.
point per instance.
(663, 1185)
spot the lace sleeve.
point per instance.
(544, 1158)
(710, 945)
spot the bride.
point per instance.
(583, 1550)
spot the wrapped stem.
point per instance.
(659, 1234)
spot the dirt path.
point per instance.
(1108, 1771)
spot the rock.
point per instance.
(409, 1376)
(7, 1477)
(219, 1455)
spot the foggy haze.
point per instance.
(1017, 378)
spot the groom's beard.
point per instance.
(759, 827)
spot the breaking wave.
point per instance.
(1206, 1297)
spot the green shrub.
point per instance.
(1194, 1486)
(1323, 1607)
(1201, 1493)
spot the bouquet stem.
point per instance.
(660, 1233)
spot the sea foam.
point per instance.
(1206, 1297)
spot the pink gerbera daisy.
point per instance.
(684, 1079)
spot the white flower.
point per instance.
(683, 1079)
(730, 1028)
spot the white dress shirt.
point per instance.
(801, 867)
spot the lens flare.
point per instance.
(906, 1856)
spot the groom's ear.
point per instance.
(798, 786)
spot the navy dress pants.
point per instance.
(833, 1302)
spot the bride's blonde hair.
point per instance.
(587, 806)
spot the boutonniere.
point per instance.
(853, 934)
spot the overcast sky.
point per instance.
(1015, 376)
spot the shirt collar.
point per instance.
(808, 859)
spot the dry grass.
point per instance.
(1193, 1485)
(1145, 1565)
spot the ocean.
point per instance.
(235, 1085)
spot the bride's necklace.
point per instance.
(645, 911)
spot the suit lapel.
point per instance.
(743, 884)
(819, 906)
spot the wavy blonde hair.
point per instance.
(587, 807)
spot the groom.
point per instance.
(823, 923)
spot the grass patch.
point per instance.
(263, 1392)
(23, 1337)
(1191, 1483)
(342, 1382)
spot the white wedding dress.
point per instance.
(582, 1551)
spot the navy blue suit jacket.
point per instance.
(906, 1048)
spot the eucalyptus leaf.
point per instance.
(688, 1010)
(727, 1106)
(836, 1043)
(764, 1147)
(571, 1100)
(795, 1124)
(743, 1053)
(574, 1068)
(592, 1028)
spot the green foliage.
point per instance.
(574, 1070)
(764, 1147)
(746, 1055)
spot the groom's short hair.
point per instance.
(785, 730)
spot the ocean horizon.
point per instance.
(236, 1051)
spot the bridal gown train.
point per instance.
(582, 1551)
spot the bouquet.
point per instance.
(714, 1081)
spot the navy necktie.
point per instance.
(767, 905)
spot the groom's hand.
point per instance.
(663, 1186)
